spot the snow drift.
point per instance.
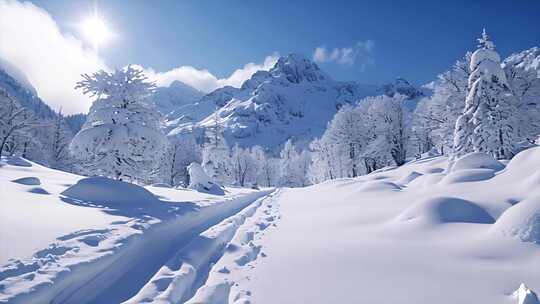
(200, 181)
(440, 210)
(110, 192)
(521, 221)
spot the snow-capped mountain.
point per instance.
(403, 87)
(15, 83)
(295, 99)
(177, 94)
(527, 60)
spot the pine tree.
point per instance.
(488, 121)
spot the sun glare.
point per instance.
(95, 30)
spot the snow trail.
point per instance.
(112, 265)
(224, 280)
(178, 279)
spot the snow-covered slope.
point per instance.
(421, 233)
(412, 234)
(294, 99)
(176, 95)
(527, 59)
(17, 86)
(69, 239)
(17, 75)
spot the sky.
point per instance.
(209, 44)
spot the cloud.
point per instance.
(361, 54)
(52, 61)
(204, 80)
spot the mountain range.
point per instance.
(295, 100)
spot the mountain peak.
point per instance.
(403, 87)
(296, 68)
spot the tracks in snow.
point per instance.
(180, 277)
(225, 281)
(112, 267)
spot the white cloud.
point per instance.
(204, 80)
(361, 53)
(52, 61)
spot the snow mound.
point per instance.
(28, 181)
(109, 192)
(468, 175)
(440, 210)
(409, 178)
(18, 161)
(521, 220)
(477, 160)
(526, 162)
(426, 180)
(200, 181)
(525, 296)
(380, 186)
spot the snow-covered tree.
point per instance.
(524, 81)
(435, 116)
(293, 166)
(60, 140)
(488, 123)
(216, 156)
(267, 167)
(121, 137)
(183, 150)
(338, 152)
(391, 121)
(243, 165)
(323, 166)
(15, 123)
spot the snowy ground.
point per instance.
(409, 235)
(414, 234)
(59, 249)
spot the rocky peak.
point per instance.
(403, 87)
(296, 69)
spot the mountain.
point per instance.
(295, 99)
(177, 94)
(403, 87)
(527, 60)
(17, 75)
(22, 92)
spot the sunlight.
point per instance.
(95, 31)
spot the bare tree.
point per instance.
(14, 120)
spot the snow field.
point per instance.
(402, 235)
(111, 258)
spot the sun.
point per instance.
(95, 30)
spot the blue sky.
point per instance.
(412, 39)
(208, 44)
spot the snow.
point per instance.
(521, 221)
(442, 210)
(347, 240)
(109, 192)
(76, 245)
(424, 241)
(526, 296)
(200, 181)
(477, 160)
(294, 99)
